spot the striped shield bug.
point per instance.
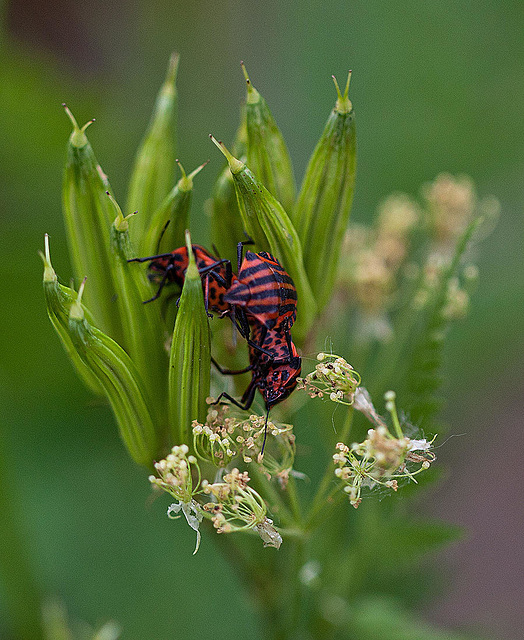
(264, 289)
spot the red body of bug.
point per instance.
(265, 291)
(276, 375)
(274, 370)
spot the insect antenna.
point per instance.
(265, 433)
(162, 235)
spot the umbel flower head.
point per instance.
(382, 460)
(224, 436)
(332, 376)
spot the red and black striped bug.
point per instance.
(171, 268)
(217, 275)
(264, 289)
(275, 367)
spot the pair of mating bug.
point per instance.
(260, 301)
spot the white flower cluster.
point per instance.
(235, 506)
(175, 474)
(333, 376)
(223, 437)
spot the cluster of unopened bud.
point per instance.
(175, 473)
(382, 459)
(235, 506)
(334, 376)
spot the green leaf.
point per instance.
(190, 358)
(425, 352)
(376, 618)
(154, 168)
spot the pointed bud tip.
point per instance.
(343, 104)
(235, 165)
(76, 312)
(172, 69)
(252, 94)
(78, 137)
(49, 272)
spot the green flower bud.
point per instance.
(267, 154)
(190, 359)
(270, 227)
(88, 216)
(174, 208)
(143, 327)
(58, 301)
(120, 380)
(324, 203)
(154, 167)
(227, 229)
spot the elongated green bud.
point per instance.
(324, 203)
(88, 216)
(154, 168)
(190, 360)
(267, 154)
(58, 301)
(175, 208)
(227, 228)
(120, 380)
(270, 227)
(143, 327)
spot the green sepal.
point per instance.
(323, 207)
(120, 380)
(176, 207)
(154, 168)
(190, 358)
(58, 301)
(88, 216)
(267, 154)
(270, 227)
(143, 328)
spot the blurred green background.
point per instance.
(437, 86)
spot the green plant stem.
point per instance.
(22, 594)
(320, 499)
